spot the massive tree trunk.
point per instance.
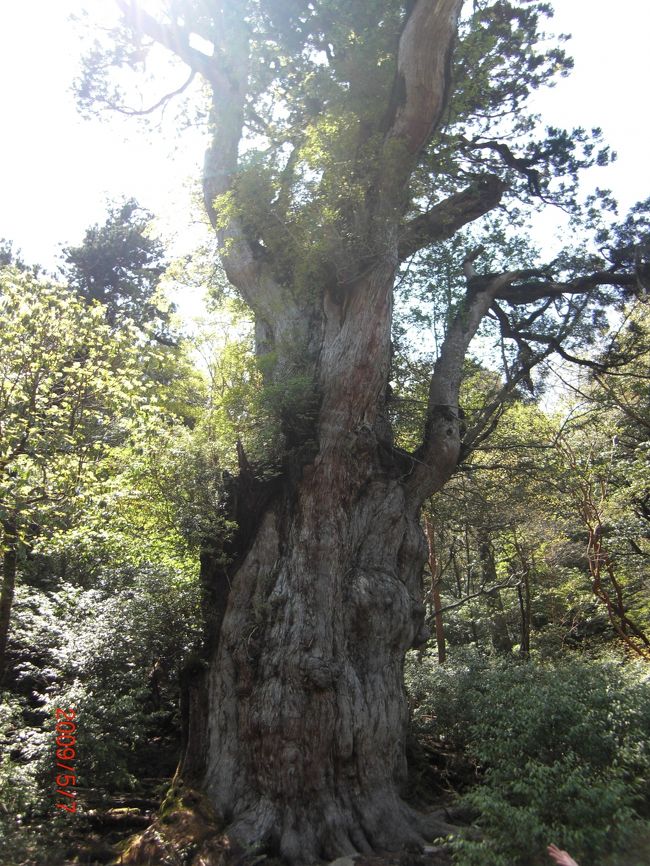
(306, 707)
(300, 740)
(306, 711)
(306, 700)
(297, 727)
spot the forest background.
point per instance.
(119, 434)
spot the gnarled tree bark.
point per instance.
(303, 725)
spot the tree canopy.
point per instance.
(331, 138)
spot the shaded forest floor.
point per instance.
(97, 834)
(105, 821)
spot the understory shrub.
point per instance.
(561, 749)
(114, 654)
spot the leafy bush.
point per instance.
(26, 775)
(121, 674)
(562, 750)
(96, 650)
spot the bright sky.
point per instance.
(56, 169)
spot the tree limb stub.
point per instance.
(443, 220)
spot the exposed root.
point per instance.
(188, 832)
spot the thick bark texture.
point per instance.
(423, 70)
(306, 703)
(306, 711)
(306, 707)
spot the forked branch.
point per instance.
(441, 447)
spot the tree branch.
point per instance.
(528, 293)
(556, 346)
(423, 71)
(439, 453)
(175, 38)
(490, 414)
(443, 220)
(276, 313)
(524, 166)
(442, 446)
(482, 591)
(141, 112)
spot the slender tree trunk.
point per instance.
(498, 621)
(435, 593)
(523, 592)
(524, 608)
(9, 566)
(441, 643)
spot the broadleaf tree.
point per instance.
(68, 388)
(345, 139)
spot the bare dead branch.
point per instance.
(164, 100)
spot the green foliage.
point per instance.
(119, 264)
(174, 479)
(562, 750)
(321, 85)
(112, 652)
(246, 398)
(29, 832)
(115, 501)
(514, 564)
(67, 387)
(239, 405)
(24, 766)
(95, 625)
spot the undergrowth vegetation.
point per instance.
(559, 751)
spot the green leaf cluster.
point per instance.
(561, 750)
